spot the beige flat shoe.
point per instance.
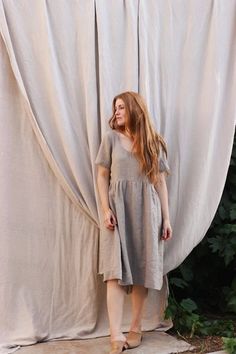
(134, 339)
(118, 346)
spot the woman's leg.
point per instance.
(115, 302)
(138, 296)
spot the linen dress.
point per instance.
(133, 252)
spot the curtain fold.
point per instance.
(35, 60)
(61, 65)
(188, 76)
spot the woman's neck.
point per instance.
(126, 133)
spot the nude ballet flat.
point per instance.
(134, 339)
(118, 346)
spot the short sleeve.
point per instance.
(105, 150)
(163, 163)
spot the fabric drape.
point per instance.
(61, 64)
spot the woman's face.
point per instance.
(120, 112)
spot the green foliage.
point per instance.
(230, 296)
(222, 234)
(183, 315)
(187, 319)
(230, 345)
(206, 281)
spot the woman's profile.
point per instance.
(132, 167)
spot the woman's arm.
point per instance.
(103, 188)
(162, 191)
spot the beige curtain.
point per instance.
(61, 64)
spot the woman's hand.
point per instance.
(166, 230)
(109, 219)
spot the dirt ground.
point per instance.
(204, 344)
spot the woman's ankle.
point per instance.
(118, 337)
(136, 329)
(136, 326)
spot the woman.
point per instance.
(131, 182)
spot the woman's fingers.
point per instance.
(166, 233)
(109, 224)
(110, 220)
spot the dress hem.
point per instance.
(109, 276)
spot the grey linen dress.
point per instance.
(133, 252)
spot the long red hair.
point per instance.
(146, 141)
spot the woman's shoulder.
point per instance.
(108, 138)
(109, 135)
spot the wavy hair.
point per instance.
(147, 143)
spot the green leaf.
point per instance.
(233, 284)
(222, 212)
(216, 243)
(233, 240)
(188, 304)
(229, 254)
(232, 213)
(232, 301)
(180, 283)
(229, 345)
(226, 200)
(186, 272)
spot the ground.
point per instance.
(204, 344)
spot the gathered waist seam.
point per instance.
(134, 180)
